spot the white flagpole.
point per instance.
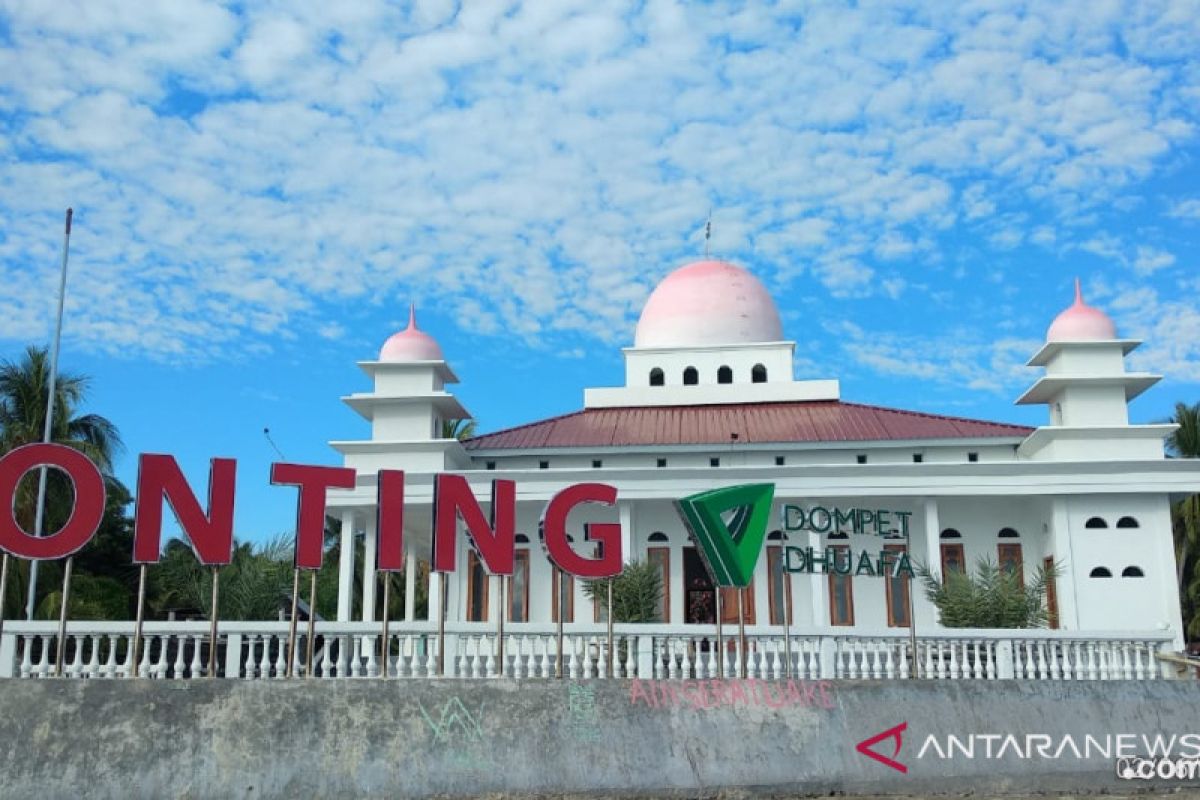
(39, 513)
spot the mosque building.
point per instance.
(710, 400)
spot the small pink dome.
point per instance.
(707, 303)
(411, 344)
(1081, 323)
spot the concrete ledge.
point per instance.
(371, 738)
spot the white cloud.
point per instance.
(1150, 259)
(535, 168)
(1186, 209)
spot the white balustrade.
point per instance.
(259, 650)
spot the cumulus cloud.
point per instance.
(244, 176)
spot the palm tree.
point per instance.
(991, 597)
(637, 592)
(458, 429)
(24, 388)
(1184, 442)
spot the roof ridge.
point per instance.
(929, 415)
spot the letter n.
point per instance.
(211, 533)
(491, 538)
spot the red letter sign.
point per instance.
(389, 555)
(85, 517)
(608, 534)
(310, 508)
(211, 534)
(492, 540)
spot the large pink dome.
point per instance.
(1081, 323)
(411, 344)
(707, 303)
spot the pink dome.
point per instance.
(411, 344)
(707, 303)
(1081, 323)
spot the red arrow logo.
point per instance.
(893, 733)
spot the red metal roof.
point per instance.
(758, 423)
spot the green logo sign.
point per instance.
(730, 525)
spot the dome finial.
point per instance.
(1081, 323)
(411, 344)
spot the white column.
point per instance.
(346, 567)
(933, 558)
(762, 590)
(368, 570)
(1163, 547)
(1064, 584)
(819, 586)
(435, 595)
(678, 588)
(627, 534)
(410, 586)
(933, 536)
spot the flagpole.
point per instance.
(39, 512)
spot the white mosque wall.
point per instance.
(1091, 359)
(415, 421)
(1096, 444)
(406, 379)
(766, 456)
(1093, 405)
(776, 357)
(1123, 600)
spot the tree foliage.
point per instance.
(24, 390)
(460, 429)
(1184, 442)
(991, 597)
(637, 592)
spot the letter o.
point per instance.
(1166, 769)
(86, 514)
(812, 519)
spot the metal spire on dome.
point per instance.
(412, 317)
(707, 232)
(1078, 293)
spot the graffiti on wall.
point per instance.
(731, 693)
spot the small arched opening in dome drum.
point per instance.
(690, 376)
(724, 375)
(758, 374)
(656, 377)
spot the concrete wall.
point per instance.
(355, 739)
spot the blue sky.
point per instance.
(260, 191)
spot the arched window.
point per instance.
(1127, 522)
(724, 375)
(658, 536)
(1100, 572)
(1096, 522)
(776, 536)
(1132, 572)
(950, 533)
(522, 539)
(690, 376)
(1008, 533)
(758, 374)
(656, 377)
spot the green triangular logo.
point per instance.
(729, 543)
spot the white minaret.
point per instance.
(406, 408)
(1088, 391)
